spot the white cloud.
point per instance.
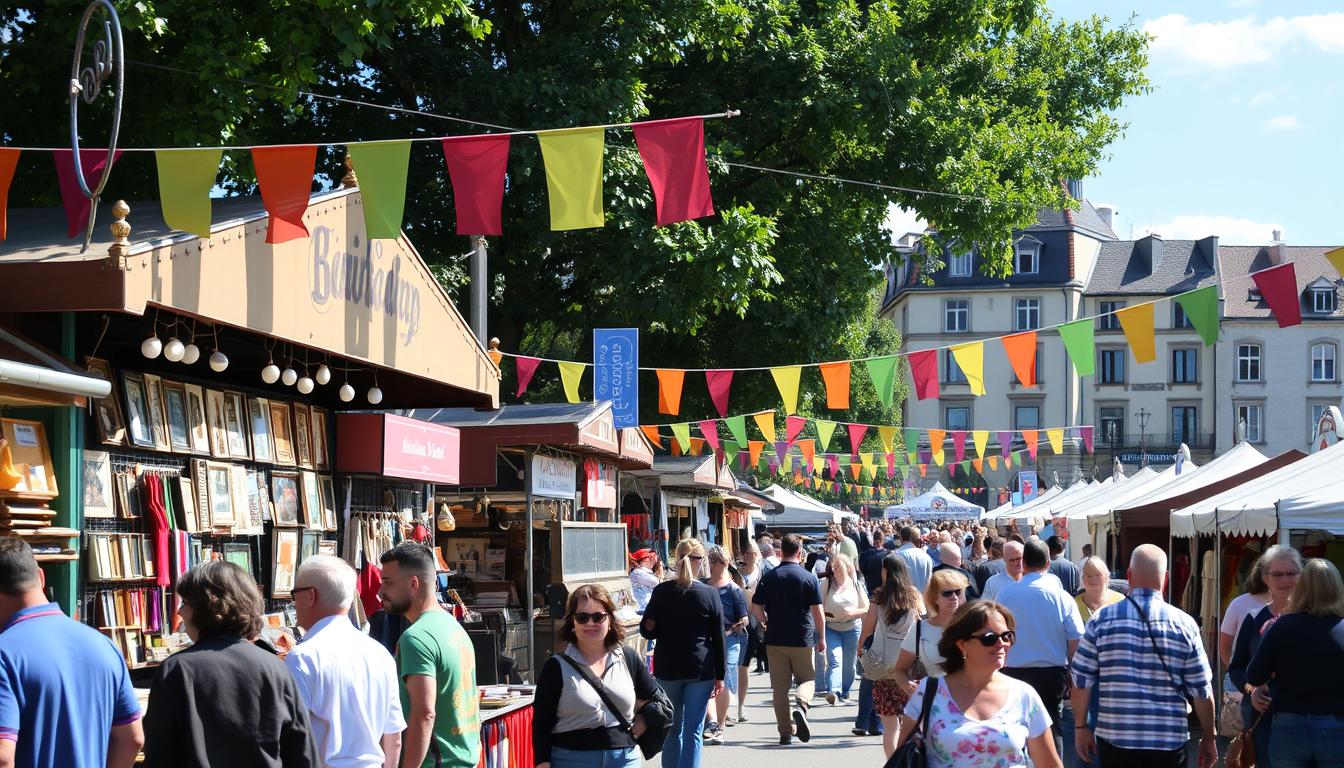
(902, 220)
(1231, 230)
(1227, 44)
(1263, 97)
(1282, 123)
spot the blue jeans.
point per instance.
(867, 718)
(629, 757)
(689, 699)
(1306, 741)
(732, 652)
(841, 651)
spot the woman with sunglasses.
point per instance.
(895, 608)
(685, 616)
(981, 718)
(1280, 567)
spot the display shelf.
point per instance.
(68, 558)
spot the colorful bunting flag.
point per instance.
(825, 429)
(959, 444)
(719, 382)
(781, 450)
(1005, 443)
(730, 450)
(869, 465)
(891, 465)
(381, 167)
(808, 448)
(1078, 342)
(186, 177)
(793, 425)
(669, 390)
(526, 367)
(754, 447)
(674, 160)
(836, 376)
(1278, 287)
(77, 206)
(856, 432)
(888, 437)
(570, 374)
(477, 166)
(936, 439)
(697, 446)
(737, 425)
(1087, 438)
(924, 371)
(979, 464)
(854, 470)
(766, 423)
(786, 380)
(682, 432)
(1056, 438)
(1137, 323)
(1201, 309)
(573, 160)
(923, 470)
(710, 429)
(651, 431)
(833, 465)
(1021, 349)
(1335, 257)
(981, 439)
(9, 160)
(994, 461)
(1029, 437)
(882, 371)
(285, 177)
(970, 359)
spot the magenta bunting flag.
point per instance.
(1278, 286)
(1005, 444)
(924, 370)
(856, 432)
(833, 464)
(476, 167)
(91, 162)
(710, 429)
(793, 426)
(959, 443)
(526, 367)
(674, 159)
(719, 382)
(1086, 433)
(742, 460)
(891, 466)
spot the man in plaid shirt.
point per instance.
(1145, 660)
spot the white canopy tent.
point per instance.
(1242, 457)
(1009, 511)
(936, 503)
(1319, 510)
(799, 511)
(1091, 521)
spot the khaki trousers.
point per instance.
(790, 664)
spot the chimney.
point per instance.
(1107, 214)
(1277, 252)
(1150, 251)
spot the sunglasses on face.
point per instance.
(696, 558)
(989, 639)
(583, 618)
(951, 593)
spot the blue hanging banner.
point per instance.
(616, 372)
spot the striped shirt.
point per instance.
(1142, 706)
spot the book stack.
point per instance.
(119, 556)
(121, 608)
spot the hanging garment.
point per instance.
(158, 527)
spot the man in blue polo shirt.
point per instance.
(65, 695)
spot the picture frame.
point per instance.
(328, 496)
(284, 561)
(99, 493)
(106, 411)
(138, 430)
(309, 545)
(219, 432)
(313, 518)
(200, 482)
(175, 409)
(236, 424)
(128, 495)
(263, 496)
(259, 425)
(282, 433)
(246, 511)
(325, 547)
(185, 505)
(321, 453)
(303, 436)
(240, 555)
(158, 418)
(285, 495)
(219, 484)
(196, 420)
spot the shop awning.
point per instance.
(1248, 507)
(373, 303)
(1154, 508)
(30, 375)
(699, 472)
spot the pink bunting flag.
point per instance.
(959, 443)
(924, 370)
(833, 464)
(793, 425)
(1005, 444)
(856, 432)
(674, 159)
(710, 429)
(719, 382)
(1086, 433)
(891, 466)
(476, 167)
(77, 206)
(742, 460)
(285, 178)
(1278, 286)
(526, 367)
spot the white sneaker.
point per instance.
(715, 737)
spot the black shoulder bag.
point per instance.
(657, 713)
(913, 754)
(1148, 630)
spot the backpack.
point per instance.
(879, 660)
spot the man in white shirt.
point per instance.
(917, 561)
(347, 680)
(1012, 571)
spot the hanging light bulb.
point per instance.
(218, 362)
(151, 347)
(305, 385)
(271, 373)
(347, 393)
(375, 395)
(323, 375)
(190, 354)
(289, 377)
(174, 350)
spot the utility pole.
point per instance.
(480, 291)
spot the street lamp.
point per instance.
(1143, 416)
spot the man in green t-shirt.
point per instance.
(436, 664)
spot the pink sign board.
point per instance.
(418, 450)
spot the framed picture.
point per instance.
(128, 494)
(465, 555)
(311, 541)
(263, 491)
(133, 647)
(321, 459)
(219, 431)
(303, 436)
(285, 497)
(236, 423)
(219, 484)
(137, 411)
(99, 498)
(106, 411)
(325, 547)
(284, 561)
(312, 501)
(328, 496)
(200, 480)
(158, 420)
(241, 556)
(196, 422)
(185, 505)
(179, 425)
(246, 512)
(259, 423)
(282, 433)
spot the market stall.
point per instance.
(687, 494)
(799, 513)
(937, 503)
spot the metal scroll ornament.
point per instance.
(85, 83)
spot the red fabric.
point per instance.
(76, 205)
(924, 370)
(793, 426)
(856, 437)
(477, 166)
(719, 383)
(1278, 286)
(526, 367)
(1087, 438)
(370, 581)
(285, 176)
(9, 160)
(959, 443)
(674, 159)
(158, 528)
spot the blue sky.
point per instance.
(1242, 132)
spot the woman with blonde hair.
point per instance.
(685, 616)
(1303, 652)
(1281, 568)
(1096, 593)
(844, 603)
(920, 656)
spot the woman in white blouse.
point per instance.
(844, 602)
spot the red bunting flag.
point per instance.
(1086, 433)
(285, 177)
(9, 160)
(924, 370)
(526, 367)
(1278, 286)
(856, 432)
(674, 159)
(719, 382)
(959, 443)
(710, 429)
(76, 204)
(793, 425)
(476, 167)
(836, 376)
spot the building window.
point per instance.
(952, 371)
(1323, 300)
(1027, 417)
(1178, 317)
(1251, 417)
(1040, 364)
(1112, 366)
(1027, 259)
(1184, 366)
(1322, 362)
(1112, 422)
(1028, 315)
(1106, 318)
(959, 265)
(1248, 362)
(957, 417)
(956, 315)
(1184, 424)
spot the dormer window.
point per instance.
(959, 265)
(1027, 258)
(1323, 300)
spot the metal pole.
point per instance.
(527, 516)
(479, 292)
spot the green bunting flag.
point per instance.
(1201, 309)
(730, 450)
(738, 426)
(1077, 337)
(573, 160)
(825, 429)
(185, 180)
(682, 432)
(381, 169)
(882, 370)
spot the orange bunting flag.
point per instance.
(836, 376)
(766, 423)
(669, 390)
(697, 446)
(923, 470)
(1030, 437)
(1021, 349)
(993, 461)
(651, 431)
(936, 438)
(854, 470)
(979, 464)
(809, 451)
(1137, 323)
(754, 448)
(285, 177)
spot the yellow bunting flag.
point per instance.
(993, 461)
(970, 359)
(185, 180)
(573, 160)
(786, 379)
(1056, 438)
(836, 376)
(888, 437)
(1336, 257)
(570, 374)
(981, 438)
(651, 431)
(766, 423)
(1137, 323)
(669, 390)
(869, 464)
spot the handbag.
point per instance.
(1148, 629)
(912, 753)
(657, 712)
(1241, 751)
(879, 660)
